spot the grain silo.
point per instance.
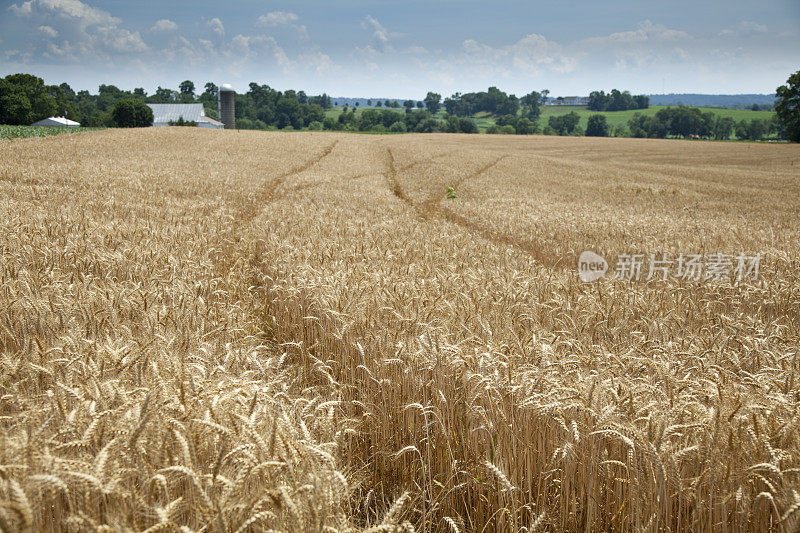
(227, 106)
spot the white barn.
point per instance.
(60, 122)
(163, 114)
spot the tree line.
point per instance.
(690, 122)
(25, 98)
(616, 100)
(495, 102)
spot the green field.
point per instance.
(615, 118)
(17, 132)
(336, 111)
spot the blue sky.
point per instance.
(392, 49)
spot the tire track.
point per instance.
(433, 202)
(277, 182)
(271, 189)
(432, 208)
(391, 179)
(493, 235)
(429, 160)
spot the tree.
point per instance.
(420, 104)
(597, 127)
(723, 127)
(379, 103)
(211, 90)
(369, 103)
(532, 104)
(642, 101)
(15, 108)
(526, 127)
(788, 107)
(647, 126)
(162, 96)
(432, 102)
(564, 124)
(754, 130)
(25, 98)
(408, 104)
(187, 89)
(132, 114)
(598, 101)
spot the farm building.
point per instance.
(60, 122)
(163, 114)
(568, 100)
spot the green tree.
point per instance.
(597, 127)
(15, 108)
(187, 88)
(420, 104)
(162, 96)
(532, 104)
(25, 98)
(564, 124)
(408, 104)
(433, 102)
(211, 90)
(723, 127)
(788, 107)
(526, 127)
(132, 114)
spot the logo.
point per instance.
(591, 266)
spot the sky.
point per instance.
(372, 48)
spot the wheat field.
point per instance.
(246, 331)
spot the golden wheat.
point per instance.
(230, 331)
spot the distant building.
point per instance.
(163, 114)
(568, 100)
(60, 122)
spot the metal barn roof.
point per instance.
(172, 112)
(57, 121)
(163, 114)
(213, 122)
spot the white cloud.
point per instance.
(121, 40)
(283, 18)
(164, 25)
(642, 49)
(745, 27)
(317, 60)
(381, 37)
(23, 9)
(529, 55)
(85, 32)
(76, 10)
(379, 32)
(47, 30)
(216, 26)
(646, 31)
(278, 18)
